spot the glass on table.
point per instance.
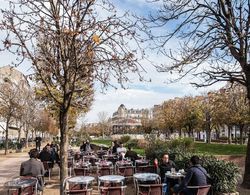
(173, 170)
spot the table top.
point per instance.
(110, 155)
(112, 178)
(81, 179)
(142, 161)
(104, 163)
(89, 156)
(146, 176)
(123, 163)
(21, 182)
(82, 164)
(174, 175)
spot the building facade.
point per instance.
(128, 120)
(15, 79)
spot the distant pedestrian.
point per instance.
(38, 141)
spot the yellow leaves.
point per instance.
(96, 39)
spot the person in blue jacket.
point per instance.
(196, 176)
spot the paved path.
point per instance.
(10, 166)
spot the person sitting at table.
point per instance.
(54, 152)
(115, 145)
(165, 166)
(46, 156)
(82, 147)
(33, 167)
(121, 151)
(131, 154)
(86, 147)
(77, 156)
(196, 176)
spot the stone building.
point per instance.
(15, 78)
(128, 120)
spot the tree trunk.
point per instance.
(63, 146)
(180, 133)
(229, 130)
(235, 137)
(241, 133)
(19, 135)
(26, 136)
(208, 133)
(7, 136)
(246, 178)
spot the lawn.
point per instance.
(102, 141)
(220, 149)
(204, 148)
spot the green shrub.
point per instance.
(182, 144)
(224, 174)
(155, 149)
(133, 143)
(124, 139)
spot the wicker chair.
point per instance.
(117, 190)
(145, 169)
(150, 189)
(201, 190)
(81, 171)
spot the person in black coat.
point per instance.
(131, 154)
(38, 141)
(115, 146)
(165, 166)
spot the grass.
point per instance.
(102, 141)
(203, 148)
(220, 149)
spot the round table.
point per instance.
(146, 177)
(111, 179)
(20, 183)
(104, 163)
(141, 162)
(81, 180)
(82, 164)
(174, 175)
(123, 163)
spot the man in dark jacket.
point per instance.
(38, 141)
(86, 147)
(165, 166)
(196, 176)
(131, 154)
(115, 146)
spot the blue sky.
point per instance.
(138, 94)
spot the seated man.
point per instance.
(86, 147)
(165, 166)
(46, 155)
(83, 146)
(196, 176)
(33, 167)
(114, 147)
(131, 154)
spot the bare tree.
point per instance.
(71, 43)
(103, 122)
(213, 43)
(10, 106)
